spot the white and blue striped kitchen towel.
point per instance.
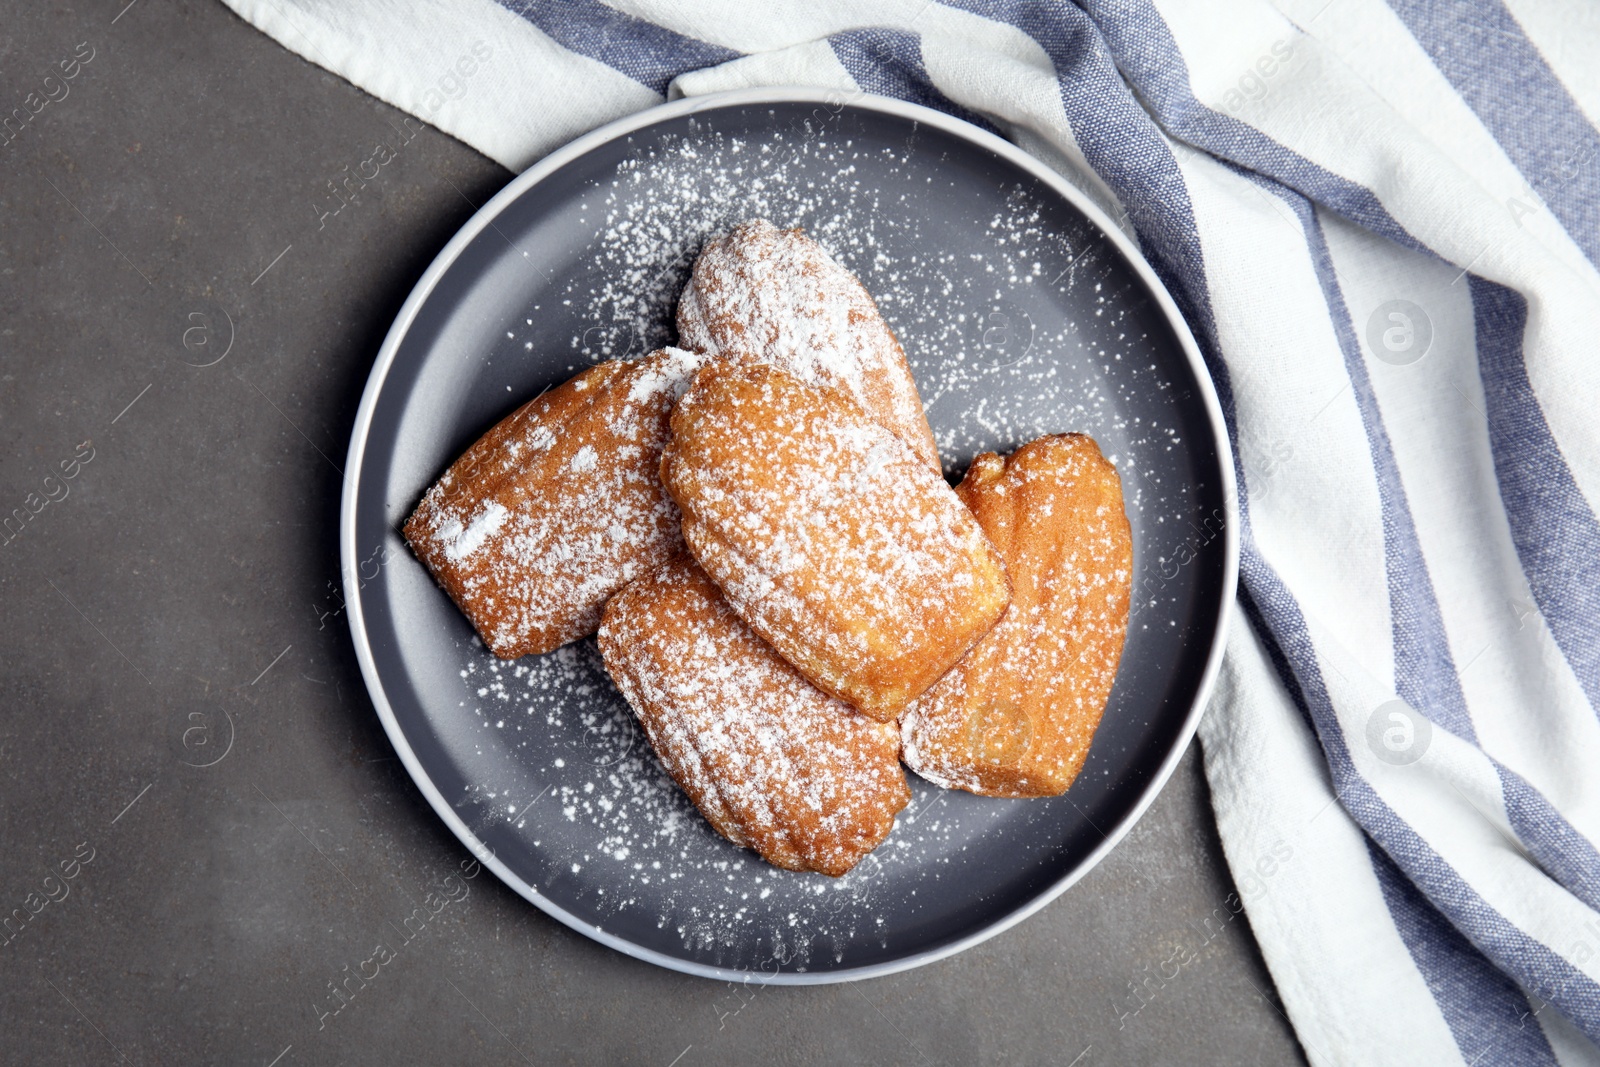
(1383, 222)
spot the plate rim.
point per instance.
(484, 217)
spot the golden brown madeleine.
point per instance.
(772, 762)
(558, 506)
(1016, 715)
(761, 294)
(828, 537)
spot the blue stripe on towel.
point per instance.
(649, 54)
(1555, 845)
(1557, 537)
(889, 63)
(1424, 669)
(1484, 1009)
(1486, 57)
(1148, 55)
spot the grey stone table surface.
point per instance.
(183, 343)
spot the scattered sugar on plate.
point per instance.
(590, 800)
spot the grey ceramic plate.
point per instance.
(1023, 311)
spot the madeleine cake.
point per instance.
(772, 762)
(1016, 716)
(828, 536)
(558, 506)
(761, 294)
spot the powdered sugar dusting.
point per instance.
(588, 793)
(561, 772)
(775, 296)
(459, 542)
(967, 319)
(774, 764)
(829, 536)
(573, 506)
